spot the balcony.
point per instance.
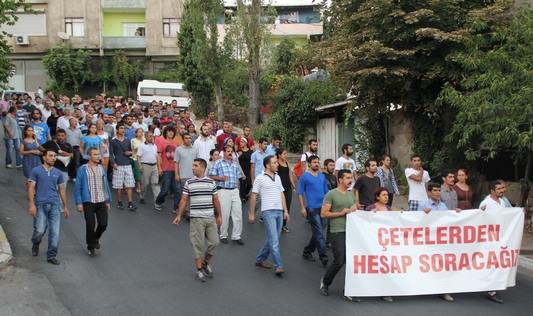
(124, 42)
(109, 5)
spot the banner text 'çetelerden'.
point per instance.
(413, 253)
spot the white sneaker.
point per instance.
(158, 207)
(9, 166)
(19, 166)
(200, 276)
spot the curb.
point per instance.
(5, 249)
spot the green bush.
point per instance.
(294, 106)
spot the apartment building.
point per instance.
(141, 28)
(299, 20)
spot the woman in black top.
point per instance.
(245, 155)
(284, 172)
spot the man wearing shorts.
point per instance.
(119, 155)
(200, 192)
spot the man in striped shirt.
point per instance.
(200, 192)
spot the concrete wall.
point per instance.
(401, 137)
(156, 43)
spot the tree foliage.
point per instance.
(284, 56)
(8, 17)
(125, 72)
(294, 109)
(68, 68)
(202, 61)
(494, 98)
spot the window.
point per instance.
(133, 29)
(171, 27)
(75, 27)
(288, 17)
(27, 24)
(164, 92)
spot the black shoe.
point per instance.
(324, 260)
(35, 250)
(131, 207)
(224, 240)
(308, 256)
(53, 261)
(324, 290)
(97, 245)
(142, 201)
(239, 242)
(91, 253)
(120, 206)
(495, 298)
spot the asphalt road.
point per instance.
(145, 267)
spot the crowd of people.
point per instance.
(210, 172)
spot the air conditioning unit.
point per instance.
(22, 40)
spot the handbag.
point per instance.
(65, 160)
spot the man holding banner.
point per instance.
(337, 204)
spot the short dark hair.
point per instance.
(167, 129)
(311, 158)
(202, 162)
(119, 124)
(228, 146)
(384, 156)
(50, 149)
(60, 131)
(91, 149)
(345, 147)
(413, 156)
(343, 172)
(433, 185)
(312, 140)
(446, 172)
(262, 140)
(327, 161)
(378, 191)
(493, 184)
(275, 137)
(280, 151)
(267, 159)
(368, 161)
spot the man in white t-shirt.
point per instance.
(417, 179)
(494, 201)
(345, 161)
(312, 151)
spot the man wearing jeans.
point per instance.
(273, 210)
(337, 204)
(313, 186)
(93, 198)
(45, 188)
(12, 137)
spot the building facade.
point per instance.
(140, 28)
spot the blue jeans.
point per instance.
(169, 185)
(12, 143)
(48, 216)
(273, 221)
(317, 242)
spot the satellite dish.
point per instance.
(63, 35)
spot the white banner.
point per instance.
(414, 253)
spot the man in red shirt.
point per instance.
(246, 133)
(166, 146)
(214, 124)
(227, 133)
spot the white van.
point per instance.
(150, 90)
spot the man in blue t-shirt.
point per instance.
(41, 129)
(313, 186)
(45, 190)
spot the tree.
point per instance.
(398, 52)
(8, 9)
(494, 98)
(125, 72)
(68, 68)
(249, 27)
(202, 60)
(284, 56)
